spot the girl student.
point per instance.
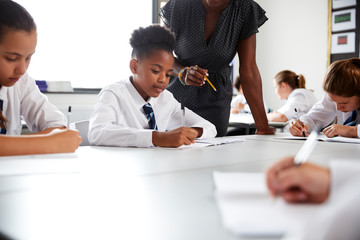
(338, 112)
(291, 87)
(19, 95)
(139, 111)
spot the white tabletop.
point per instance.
(130, 193)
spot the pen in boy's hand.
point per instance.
(183, 112)
(301, 124)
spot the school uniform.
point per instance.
(25, 101)
(324, 112)
(240, 99)
(119, 119)
(301, 99)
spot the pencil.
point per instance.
(210, 83)
(183, 112)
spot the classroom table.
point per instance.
(133, 193)
(246, 121)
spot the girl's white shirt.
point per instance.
(25, 101)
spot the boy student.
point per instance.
(19, 95)
(342, 85)
(139, 111)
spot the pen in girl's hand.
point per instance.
(68, 119)
(301, 124)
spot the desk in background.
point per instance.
(246, 121)
(129, 193)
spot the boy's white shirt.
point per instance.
(324, 112)
(24, 100)
(118, 118)
(302, 99)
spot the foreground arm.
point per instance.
(62, 142)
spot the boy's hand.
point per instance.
(297, 129)
(342, 130)
(175, 138)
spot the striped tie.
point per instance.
(351, 121)
(149, 113)
(2, 124)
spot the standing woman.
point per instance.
(20, 98)
(209, 33)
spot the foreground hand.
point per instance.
(267, 131)
(195, 76)
(175, 138)
(297, 129)
(342, 130)
(64, 141)
(304, 183)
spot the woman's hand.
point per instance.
(195, 76)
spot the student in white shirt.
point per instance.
(119, 119)
(290, 86)
(239, 103)
(341, 102)
(19, 95)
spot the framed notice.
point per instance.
(344, 20)
(336, 4)
(343, 43)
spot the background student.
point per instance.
(342, 101)
(291, 87)
(19, 95)
(140, 111)
(239, 103)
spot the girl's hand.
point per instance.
(64, 141)
(195, 76)
(297, 129)
(342, 130)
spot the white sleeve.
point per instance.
(107, 126)
(344, 171)
(38, 113)
(321, 114)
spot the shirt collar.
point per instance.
(139, 101)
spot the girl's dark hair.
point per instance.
(13, 16)
(145, 41)
(292, 79)
(342, 78)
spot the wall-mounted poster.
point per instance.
(343, 20)
(343, 3)
(343, 43)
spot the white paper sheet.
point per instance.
(322, 137)
(248, 210)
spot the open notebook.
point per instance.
(323, 138)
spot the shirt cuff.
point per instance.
(144, 139)
(358, 131)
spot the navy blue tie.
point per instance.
(149, 113)
(351, 121)
(2, 123)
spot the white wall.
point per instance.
(294, 38)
